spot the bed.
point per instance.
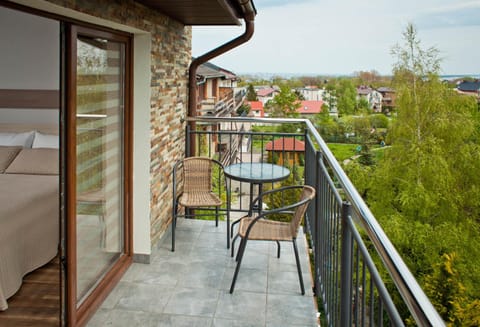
(29, 210)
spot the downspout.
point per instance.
(249, 16)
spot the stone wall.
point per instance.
(170, 58)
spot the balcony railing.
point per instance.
(356, 268)
(223, 106)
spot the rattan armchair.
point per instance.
(198, 183)
(260, 228)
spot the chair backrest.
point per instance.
(308, 193)
(197, 174)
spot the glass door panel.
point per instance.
(100, 102)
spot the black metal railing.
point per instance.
(352, 258)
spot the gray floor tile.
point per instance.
(125, 318)
(250, 280)
(245, 306)
(190, 287)
(167, 320)
(145, 297)
(217, 322)
(193, 302)
(290, 309)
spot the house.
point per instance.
(217, 92)
(286, 149)
(110, 80)
(308, 108)
(311, 93)
(388, 97)
(256, 109)
(373, 97)
(266, 94)
(469, 88)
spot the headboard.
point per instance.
(43, 128)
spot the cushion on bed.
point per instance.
(24, 139)
(45, 140)
(7, 154)
(41, 161)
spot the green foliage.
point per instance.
(346, 97)
(444, 288)
(243, 110)
(425, 190)
(379, 121)
(284, 104)
(251, 94)
(284, 198)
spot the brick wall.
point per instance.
(170, 57)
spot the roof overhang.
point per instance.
(201, 12)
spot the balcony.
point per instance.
(356, 271)
(224, 106)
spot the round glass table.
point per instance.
(256, 173)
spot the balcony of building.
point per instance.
(351, 270)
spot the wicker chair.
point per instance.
(194, 182)
(261, 229)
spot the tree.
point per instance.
(346, 97)
(284, 104)
(243, 110)
(251, 94)
(422, 191)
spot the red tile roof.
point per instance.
(265, 92)
(288, 144)
(310, 107)
(257, 106)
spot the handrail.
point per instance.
(417, 302)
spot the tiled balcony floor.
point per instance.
(190, 287)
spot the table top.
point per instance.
(256, 172)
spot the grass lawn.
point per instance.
(342, 151)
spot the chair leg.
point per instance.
(233, 244)
(174, 225)
(233, 225)
(278, 249)
(241, 250)
(299, 270)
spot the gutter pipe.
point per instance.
(248, 16)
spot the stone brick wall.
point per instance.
(170, 58)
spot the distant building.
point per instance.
(373, 97)
(285, 149)
(469, 87)
(311, 93)
(388, 98)
(308, 108)
(266, 94)
(218, 94)
(256, 109)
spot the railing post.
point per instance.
(346, 269)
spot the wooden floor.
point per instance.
(37, 303)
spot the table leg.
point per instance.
(250, 207)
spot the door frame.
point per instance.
(69, 28)
(79, 316)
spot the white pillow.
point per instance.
(45, 141)
(20, 139)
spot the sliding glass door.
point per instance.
(98, 119)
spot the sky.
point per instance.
(341, 37)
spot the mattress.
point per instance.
(29, 227)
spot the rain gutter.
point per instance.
(249, 13)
